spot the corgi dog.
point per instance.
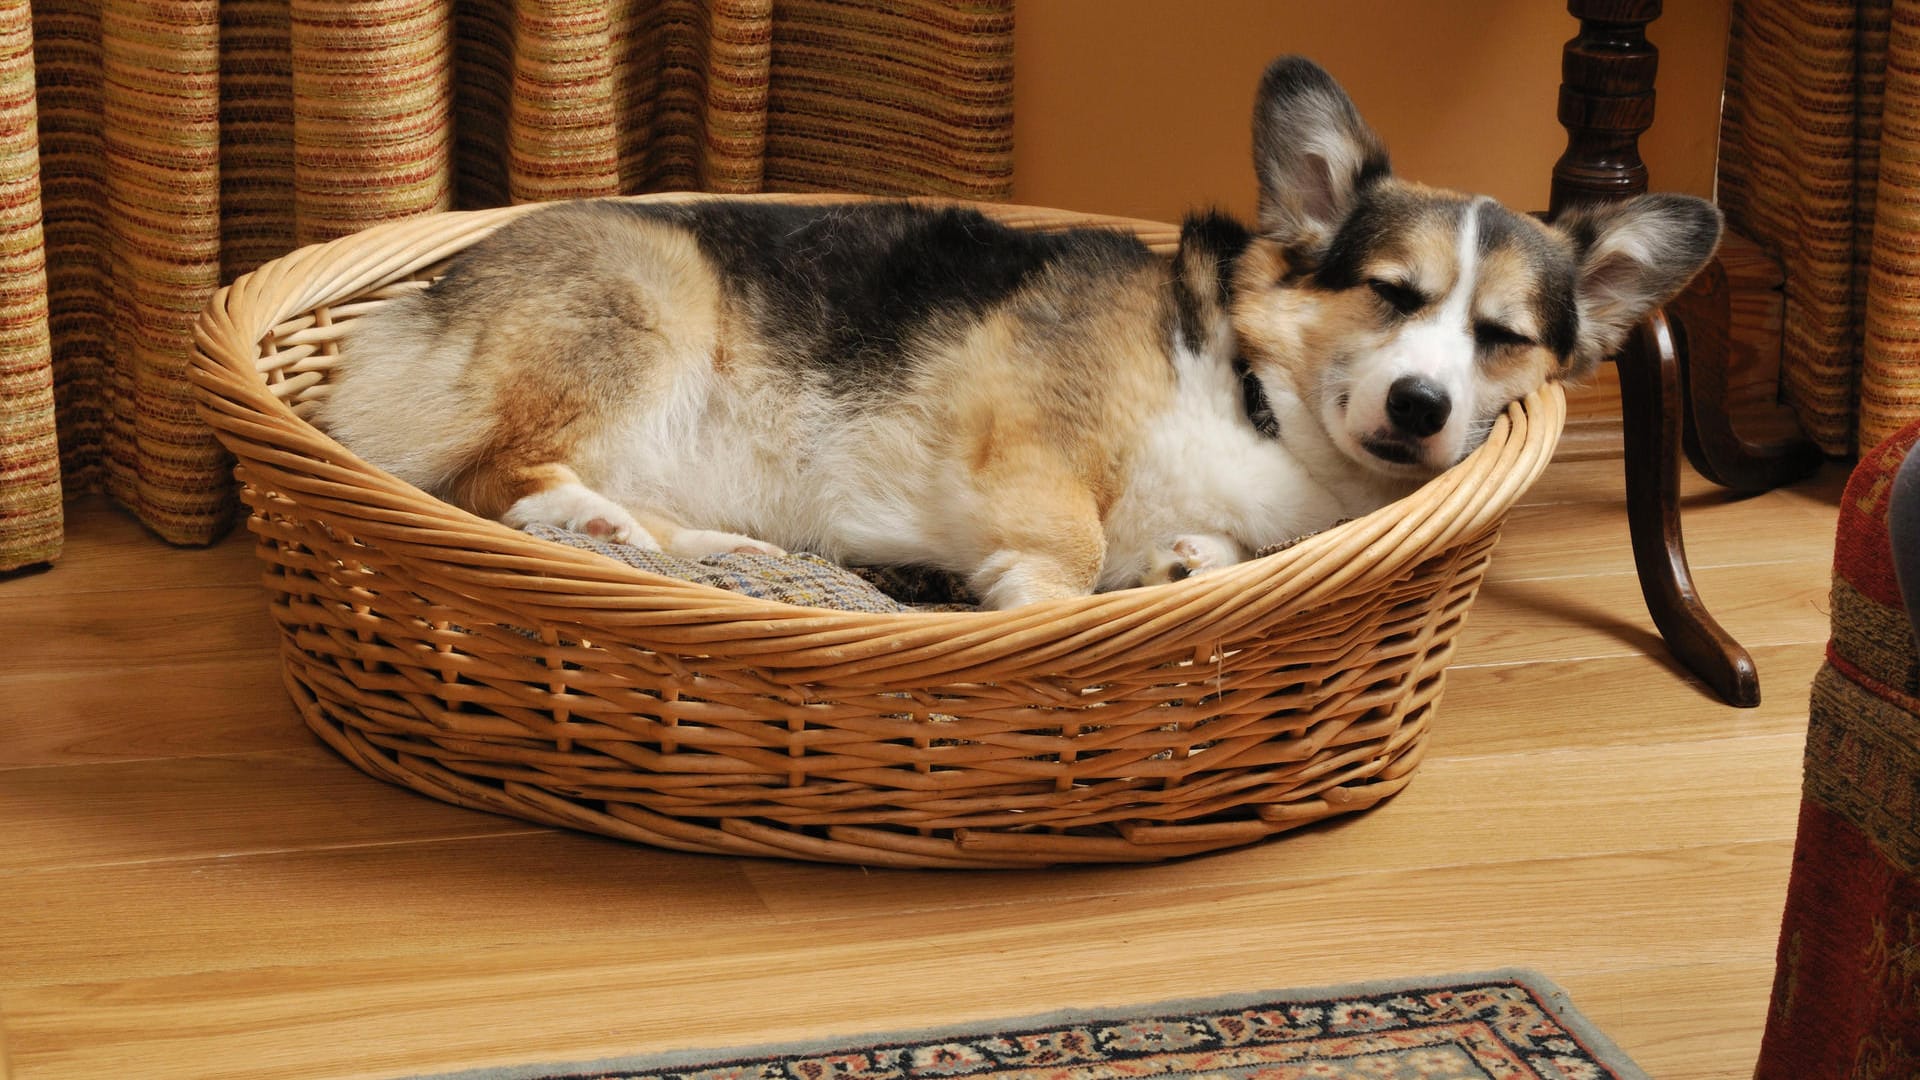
(1046, 414)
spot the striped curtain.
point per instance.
(151, 150)
(1820, 162)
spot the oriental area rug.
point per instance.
(1504, 1025)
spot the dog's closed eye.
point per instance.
(1492, 335)
(1404, 299)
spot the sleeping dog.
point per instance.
(1046, 414)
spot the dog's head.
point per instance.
(1406, 318)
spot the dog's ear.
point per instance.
(1312, 152)
(1634, 256)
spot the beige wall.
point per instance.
(1143, 107)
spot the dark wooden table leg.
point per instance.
(1650, 396)
(1717, 451)
(1606, 101)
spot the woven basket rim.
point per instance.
(591, 590)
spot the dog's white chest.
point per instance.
(1202, 468)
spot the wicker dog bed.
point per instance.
(484, 667)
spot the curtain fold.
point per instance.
(372, 125)
(29, 453)
(150, 151)
(1820, 162)
(160, 147)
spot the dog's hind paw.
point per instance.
(578, 508)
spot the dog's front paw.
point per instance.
(578, 508)
(1195, 553)
(695, 543)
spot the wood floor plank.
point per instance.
(1575, 539)
(1524, 707)
(1687, 1022)
(1599, 481)
(1603, 481)
(197, 808)
(235, 704)
(109, 551)
(316, 906)
(689, 986)
(96, 631)
(1478, 812)
(1604, 615)
(301, 907)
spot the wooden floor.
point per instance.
(192, 886)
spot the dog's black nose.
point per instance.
(1418, 406)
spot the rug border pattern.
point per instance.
(1546, 993)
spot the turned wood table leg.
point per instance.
(1606, 101)
(1650, 393)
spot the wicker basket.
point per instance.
(481, 666)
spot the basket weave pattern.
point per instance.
(479, 665)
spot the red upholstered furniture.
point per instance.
(1846, 998)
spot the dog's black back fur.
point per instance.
(849, 287)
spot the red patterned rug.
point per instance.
(1504, 1025)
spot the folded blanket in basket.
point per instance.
(799, 578)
